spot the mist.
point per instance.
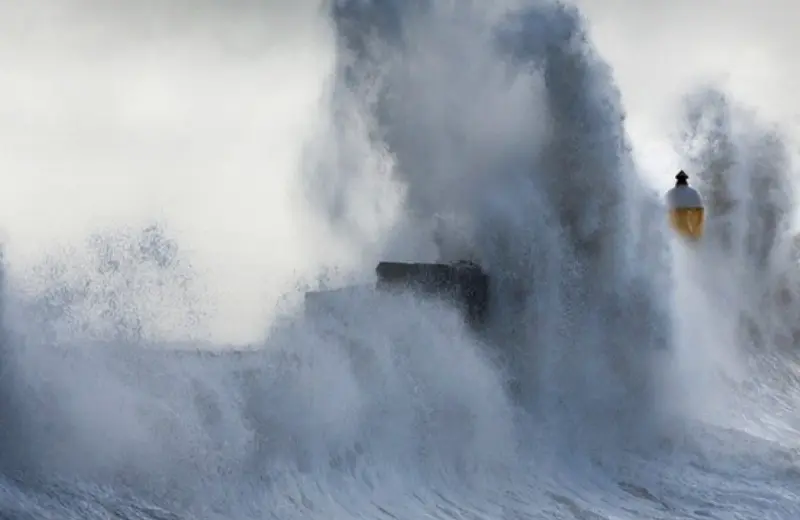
(116, 114)
(181, 171)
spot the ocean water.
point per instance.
(178, 173)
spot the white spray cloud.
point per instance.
(711, 87)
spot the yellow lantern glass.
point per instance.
(686, 209)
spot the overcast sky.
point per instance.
(200, 109)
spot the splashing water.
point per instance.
(254, 160)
